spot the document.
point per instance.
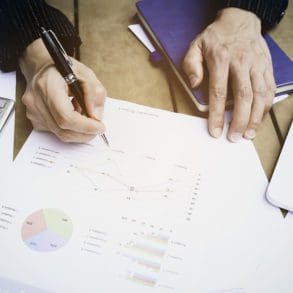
(276, 273)
(7, 90)
(165, 208)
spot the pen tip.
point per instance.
(105, 140)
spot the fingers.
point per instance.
(252, 100)
(94, 92)
(63, 135)
(44, 121)
(263, 86)
(243, 97)
(271, 88)
(72, 136)
(241, 57)
(63, 112)
(193, 63)
(218, 66)
(258, 105)
(76, 105)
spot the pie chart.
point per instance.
(46, 230)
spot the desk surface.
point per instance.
(122, 65)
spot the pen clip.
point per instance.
(60, 47)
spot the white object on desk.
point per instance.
(276, 273)
(166, 208)
(280, 98)
(280, 189)
(7, 90)
(138, 31)
(6, 107)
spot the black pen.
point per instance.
(63, 65)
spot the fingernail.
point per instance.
(98, 113)
(217, 132)
(193, 80)
(235, 137)
(250, 134)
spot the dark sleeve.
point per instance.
(19, 22)
(269, 11)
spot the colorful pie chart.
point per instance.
(46, 230)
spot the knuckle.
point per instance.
(29, 115)
(63, 121)
(64, 136)
(26, 99)
(101, 92)
(254, 122)
(195, 42)
(222, 54)
(218, 93)
(244, 94)
(242, 56)
(187, 63)
(259, 91)
(256, 72)
(40, 82)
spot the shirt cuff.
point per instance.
(269, 11)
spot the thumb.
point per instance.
(193, 63)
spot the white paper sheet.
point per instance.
(280, 189)
(280, 98)
(7, 90)
(138, 31)
(277, 271)
(166, 208)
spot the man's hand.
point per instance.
(236, 53)
(48, 102)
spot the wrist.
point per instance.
(236, 19)
(34, 59)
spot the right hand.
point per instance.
(236, 54)
(47, 97)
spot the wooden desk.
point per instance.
(122, 65)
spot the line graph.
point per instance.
(135, 178)
(120, 175)
(118, 182)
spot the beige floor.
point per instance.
(122, 64)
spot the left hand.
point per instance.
(235, 52)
